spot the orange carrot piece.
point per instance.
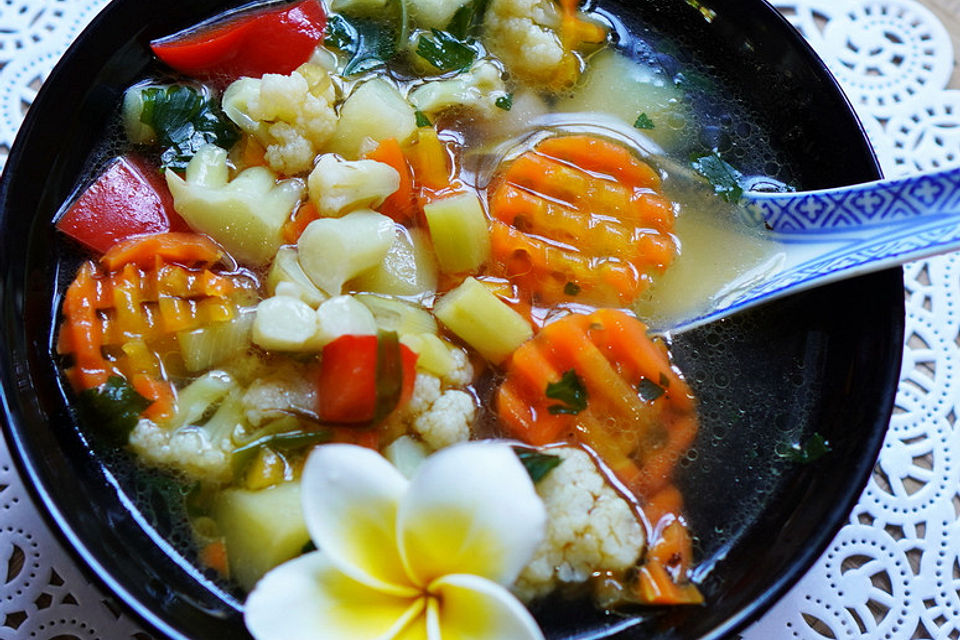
(81, 330)
(188, 249)
(293, 228)
(580, 220)
(655, 586)
(251, 152)
(601, 156)
(214, 555)
(160, 391)
(401, 206)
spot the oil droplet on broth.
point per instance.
(716, 251)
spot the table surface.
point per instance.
(893, 572)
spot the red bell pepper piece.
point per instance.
(129, 198)
(351, 385)
(245, 42)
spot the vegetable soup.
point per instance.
(402, 226)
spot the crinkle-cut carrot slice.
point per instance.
(579, 218)
(639, 439)
(187, 249)
(597, 155)
(125, 322)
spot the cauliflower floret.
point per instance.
(590, 528)
(289, 389)
(245, 215)
(292, 115)
(340, 186)
(461, 372)
(439, 417)
(447, 421)
(189, 450)
(525, 35)
(476, 89)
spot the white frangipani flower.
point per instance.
(420, 559)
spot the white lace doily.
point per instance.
(892, 573)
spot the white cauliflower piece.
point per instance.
(287, 390)
(339, 186)
(189, 450)
(439, 417)
(292, 116)
(524, 34)
(245, 215)
(200, 452)
(590, 528)
(447, 421)
(477, 89)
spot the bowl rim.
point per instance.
(87, 561)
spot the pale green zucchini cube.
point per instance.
(483, 321)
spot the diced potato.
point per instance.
(460, 233)
(483, 320)
(399, 316)
(433, 14)
(343, 316)
(209, 346)
(334, 250)
(340, 186)
(409, 268)
(262, 529)
(406, 454)
(285, 324)
(433, 353)
(375, 110)
(618, 86)
(286, 278)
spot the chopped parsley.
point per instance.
(184, 119)
(446, 52)
(727, 182)
(505, 102)
(572, 289)
(422, 119)
(813, 449)
(537, 464)
(650, 390)
(369, 43)
(113, 408)
(241, 457)
(569, 391)
(643, 121)
(467, 19)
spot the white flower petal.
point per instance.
(471, 508)
(350, 498)
(474, 608)
(309, 598)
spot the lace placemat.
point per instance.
(893, 572)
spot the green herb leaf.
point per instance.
(572, 289)
(643, 122)
(184, 119)
(664, 380)
(369, 43)
(241, 457)
(570, 391)
(422, 119)
(467, 19)
(727, 182)
(649, 390)
(446, 52)
(113, 408)
(813, 449)
(537, 464)
(505, 102)
(389, 374)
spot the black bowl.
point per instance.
(822, 362)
